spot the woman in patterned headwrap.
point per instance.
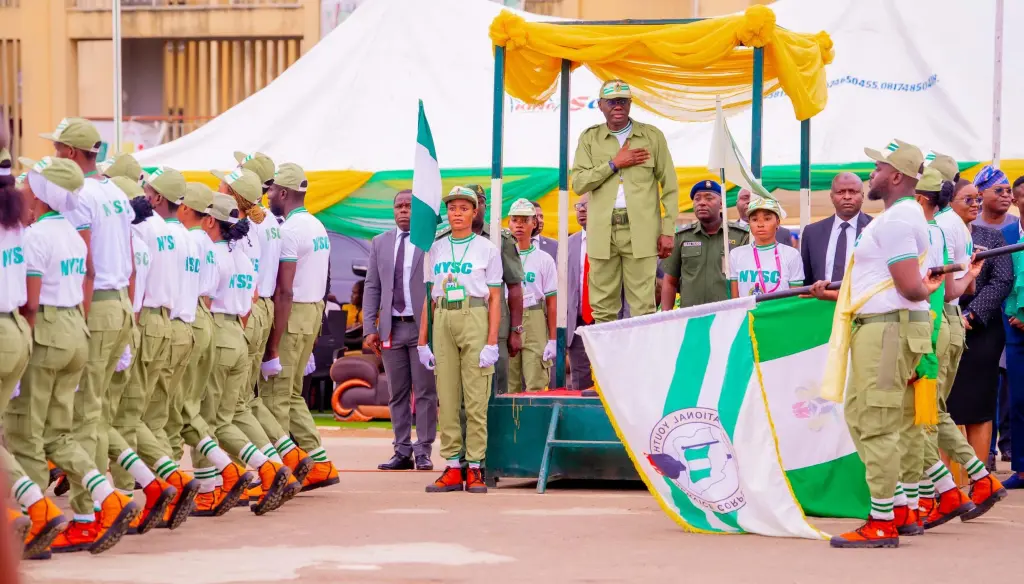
(996, 198)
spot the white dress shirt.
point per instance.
(833, 239)
(583, 262)
(406, 268)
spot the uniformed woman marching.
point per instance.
(38, 421)
(230, 371)
(465, 272)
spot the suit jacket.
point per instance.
(995, 280)
(549, 246)
(572, 287)
(1011, 233)
(814, 246)
(378, 290)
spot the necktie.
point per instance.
(839, 260)
(587, 311)
(398, 297)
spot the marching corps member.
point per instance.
(298, 310)
(231, 304)
(886, 289)
(123, 166)
(465, 271)
(39, 419)
(540, 284)
(763, 265)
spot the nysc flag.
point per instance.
(718, 409)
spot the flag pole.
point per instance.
(118, 92)
(725, 199)
(997, 87)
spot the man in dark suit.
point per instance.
(827, 245)
(546, 244)
(394, 294)
(579, 374)
(782, 235)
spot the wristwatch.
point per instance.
(613, 167)
(518, 329)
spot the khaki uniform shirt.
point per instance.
(696, 260)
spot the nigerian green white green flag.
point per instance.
(726, 156)
(426, 188)
(717, 406)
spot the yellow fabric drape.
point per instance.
(326, 187)
(674, 70)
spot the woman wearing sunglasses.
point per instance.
(996, 199)
(972, 401)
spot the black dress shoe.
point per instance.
(397, 462)
(423, 462)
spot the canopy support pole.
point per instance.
(997, 87)
(497, 137)
(757, 112)
(805, 174)
(118, 91)
(563, 226)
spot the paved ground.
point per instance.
(382, 527)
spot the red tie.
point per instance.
(588, 313)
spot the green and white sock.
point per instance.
(927, 489)
(284, 445)
(976, 469)
(26, 493)
(80, 518)
(319, 455)
(912, 491)
(252, 456)
(165, 467)
(900, 500)
(98, 486)
(453, 463)
(214, 453)
(131, 462)
(881, 509)
(940, 476)
(207, 478)
(270, 452)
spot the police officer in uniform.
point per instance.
(694, 268)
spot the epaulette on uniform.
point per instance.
(688, 227)
(740, 226)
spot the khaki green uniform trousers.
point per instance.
(459, 335)
(912, 436)
(946, 435)
(39, 421)
(190, 426)
(118, 385)
(282, 394)
(15, 349)
(167, 395)
(110, 323)
(228, 375)
(147, 365)
(257, 333)
(621, 271)
(884, 350)
(529, 363)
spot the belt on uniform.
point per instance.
(154, 310)
(472, 302)
(537, 306)
(106, 294)
(952, 310)
(224, 317)
(403, 319)
(620, 217)
(894, 316)
(9, 315)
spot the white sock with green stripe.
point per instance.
(927, 489)
(319, 455)
(284, 445)
(976, 469)
(98, 486)
(214, 453)
(26, 493)
(270, 452)
(940, 476)
(453, 463)
(881, 509)
(131, 462)
(165, 467)
(207, 478)
(252, 456)
(911, 490)
(900, 500)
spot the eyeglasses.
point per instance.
(581, 206)
(1001, 190)
(618, 101)
(971, 201)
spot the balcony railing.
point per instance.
(9, 3)
(170, 4)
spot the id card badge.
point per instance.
(528, 300)
(454, 293)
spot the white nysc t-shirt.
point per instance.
(13, 294)
(304, 241)
(958, 240)
(142, 261)
(208, 276)
(540, 276)
(269, 235)
(763, 269)
(56, 253)
(898, 234)
(236, 280)
(188, 272)
(165, 254)
(104, 210)
(463, 267)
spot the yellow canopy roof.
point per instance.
(674, 70)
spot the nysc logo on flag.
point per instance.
(690, 447)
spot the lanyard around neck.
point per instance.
(760, 273)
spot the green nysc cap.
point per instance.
(462, 193)
(122, 165)
(946, 165)
(758, 202)
(223, 208)
(167, 181)
(522, 208)
(244, 182)
(259, 163)
(76, 132)
(931, 181)
(615, 89)
(903, 156)
(198, 197)
(59, 171)
(130, 187)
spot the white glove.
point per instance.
(310, 365)
(550, 350)
(488, 355)
(426, 356)
(125, 361)
(270, 368)
(17, 390)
